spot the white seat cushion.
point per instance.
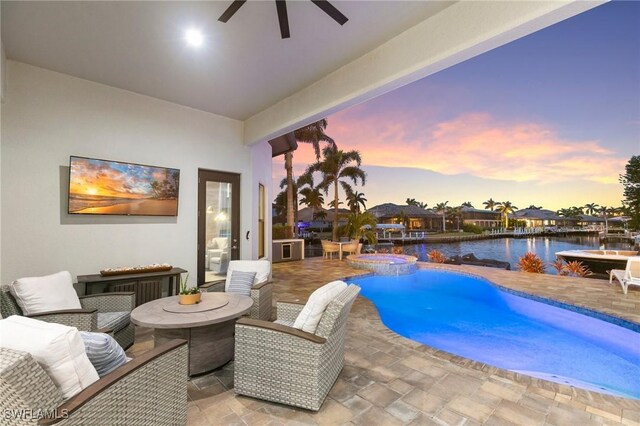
(53, 292)
(115, 321)
(57, 348)
(309, 317)
(284, 322)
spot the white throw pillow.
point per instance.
(53, 292)
(309, 317)
(57, 348)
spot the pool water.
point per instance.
(475, 319)
(512, 249)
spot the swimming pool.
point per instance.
(472, 318)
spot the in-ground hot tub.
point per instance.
(384, 263)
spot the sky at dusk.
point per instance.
(550, 119)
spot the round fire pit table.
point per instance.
(208, 326)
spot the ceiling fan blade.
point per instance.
(330, 10)
(231, 10)
(283, 18)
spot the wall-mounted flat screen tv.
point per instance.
(115, 188)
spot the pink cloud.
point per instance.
(473, 143)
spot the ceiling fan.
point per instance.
(281, 6)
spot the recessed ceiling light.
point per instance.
(194, 37)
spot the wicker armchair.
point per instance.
(261, 292)
(149, 390)
(279, 363)
(90, 318)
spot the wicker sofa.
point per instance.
(261, 293)
(149, 390)
(279, 363)
(99, 311)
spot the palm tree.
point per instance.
(569, 212)
(280, 203)
(442, 209)
(603, 211)
(534, 207)
(313, 134)
(490, 204)
(576, 211)
(320, 215)
(591, 208)
(336, 167)
(456, 213)
(505, 208)
(291, 201)
(356, 199)
(311, 195)
(402, 218)
(413, 202)
(361, 225)
(467, 204)
(332, 203)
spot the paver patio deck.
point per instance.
(388, 379)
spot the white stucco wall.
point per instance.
(49, 116)
(261, 174)
(3, 62)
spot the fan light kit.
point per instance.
(283, 19)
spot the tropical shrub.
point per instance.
(436, 256)
(530, 262)
(398, 250)
(575, 268)
(361, 225)
(281, 232)
(470, 227)
(559, 266)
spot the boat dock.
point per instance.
(417, 237)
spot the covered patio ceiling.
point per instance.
(245, 71)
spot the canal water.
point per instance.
(511, 249)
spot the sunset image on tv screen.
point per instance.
(111, 187)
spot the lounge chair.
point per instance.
(149, 390)
(99, 311)
(630, 276)
(279, 363)
(261, 290)
(328, 248)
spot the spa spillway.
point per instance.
(383, 263)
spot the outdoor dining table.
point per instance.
(340, 243)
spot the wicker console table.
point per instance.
(146, 285)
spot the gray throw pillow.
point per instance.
(103, 351)
(241, 282)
